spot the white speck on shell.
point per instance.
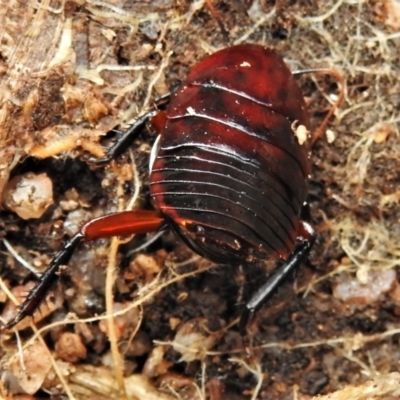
(245, 64)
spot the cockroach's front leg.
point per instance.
(118, 224)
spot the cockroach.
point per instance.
(228, 173)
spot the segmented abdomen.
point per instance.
(230, 176)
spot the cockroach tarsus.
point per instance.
(228, 174)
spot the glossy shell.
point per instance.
(230, 176)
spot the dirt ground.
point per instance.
(80, 68)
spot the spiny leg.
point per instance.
(47, 279)
(117, 224)
(126, 138)
(306, 240)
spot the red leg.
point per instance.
(124, 223)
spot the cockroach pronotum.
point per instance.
(229, 171)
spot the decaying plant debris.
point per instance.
(73, 70)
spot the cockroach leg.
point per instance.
(126, 138)
(117, 224)
(47, 279)
(305, 242)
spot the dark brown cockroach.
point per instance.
(229, 173)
